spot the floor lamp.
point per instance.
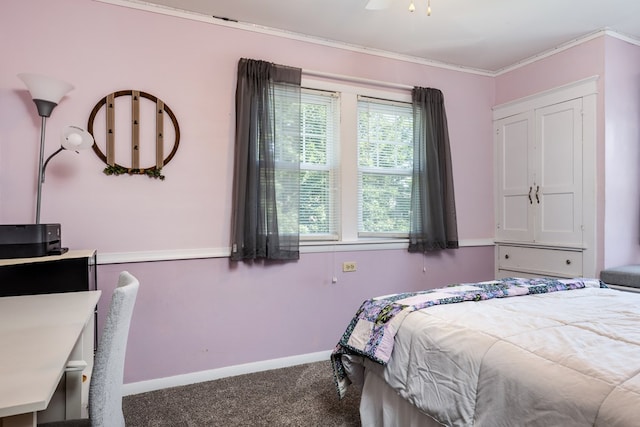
(46, 93)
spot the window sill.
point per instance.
(374, 244)
(359, 245)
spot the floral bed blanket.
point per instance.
(372, 330)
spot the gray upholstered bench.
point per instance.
(627, 276)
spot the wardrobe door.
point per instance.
(558, 175)
(514, 178)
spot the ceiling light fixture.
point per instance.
(412, 7)
(384, 4)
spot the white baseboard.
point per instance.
(229, 371)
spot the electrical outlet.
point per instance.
(349, 266)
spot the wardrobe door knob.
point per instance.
(568, 262)
(506, 256)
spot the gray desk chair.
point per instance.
(105, 390)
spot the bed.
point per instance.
(510, 352)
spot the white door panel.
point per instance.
(559, 180)
(514, 209)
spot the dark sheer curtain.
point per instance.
(433, 211)
(267, 164)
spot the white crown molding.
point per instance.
(623, 37)
(568, 45)
(165, 10)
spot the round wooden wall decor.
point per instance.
(134, 145)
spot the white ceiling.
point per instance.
(486, 35)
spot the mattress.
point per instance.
(567, 358)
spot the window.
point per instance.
(318, 178)
(356, 159)
(385, 162)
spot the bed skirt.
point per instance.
(381, 406)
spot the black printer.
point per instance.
(30, 240)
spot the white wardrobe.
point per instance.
(545, 183)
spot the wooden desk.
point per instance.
(38, 335)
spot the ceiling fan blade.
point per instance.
(377, 4)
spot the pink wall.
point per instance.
(191, 66)
(203, 314)
(618, 132)
(576, 63)
(622, 154)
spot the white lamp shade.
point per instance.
(75, 139)
(45, 88)
(378, 4)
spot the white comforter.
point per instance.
(559, 359)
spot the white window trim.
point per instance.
(348, 155)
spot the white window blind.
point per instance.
(319, 185)
(385, 162)
(286, 123)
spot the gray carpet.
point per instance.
(302, 395)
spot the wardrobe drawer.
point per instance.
(555, 262)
